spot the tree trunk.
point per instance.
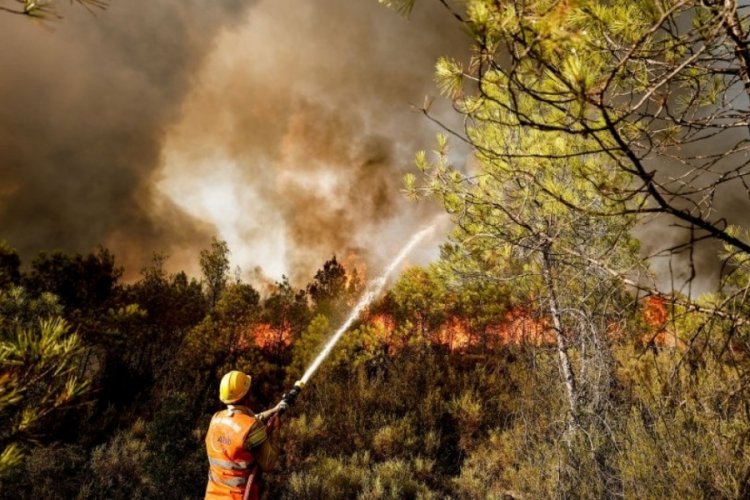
(562, 352)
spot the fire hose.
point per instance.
(288, 398)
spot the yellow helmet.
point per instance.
(234, 386)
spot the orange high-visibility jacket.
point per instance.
(231, 435)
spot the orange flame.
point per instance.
(521, 327)
(656, 316)
(454, 334)
(655, 312)
(354, 262)
(518, 326)
(384, 326)
(265, 336)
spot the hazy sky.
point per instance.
(281, 126)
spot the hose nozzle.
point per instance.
(291, 396)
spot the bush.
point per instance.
(357, 476)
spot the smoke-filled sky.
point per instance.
(281, 126)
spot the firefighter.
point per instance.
(237, 441)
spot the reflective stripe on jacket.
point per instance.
(229, 436)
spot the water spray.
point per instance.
(376, 286)
(373, 290)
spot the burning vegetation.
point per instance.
(267, 337)
(522, 326)
(656, 318)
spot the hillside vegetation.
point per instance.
(446, 387)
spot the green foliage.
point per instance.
(171, 301)
(227, 326)
(604, 91)
(18, 308)
(41, 473)
(40, 366)
(81, 282)
(214, 262)
(308, 345)
(416, 293)
(358, 477)
(685, 433)
(394, 412)
(118, 468)
(330, 290)
(286, 308)
(373, 417)
(239, 301)
(449, 76)
(531, 215)
(175, 443)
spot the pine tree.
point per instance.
(40, 372)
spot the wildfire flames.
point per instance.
(265, 336)
(521, 327)
(656, 316)
(655, 312)
(384, 327)
(454, 334)
(384, 324)
(518, 326)
(354, 263)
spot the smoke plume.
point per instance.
(283, 127)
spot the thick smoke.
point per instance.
(283, 127)
(86, 103)
(307, 108)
